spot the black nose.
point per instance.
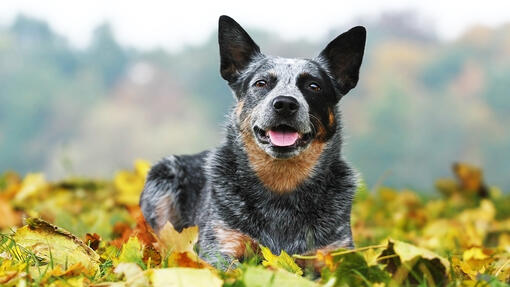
(285, 106)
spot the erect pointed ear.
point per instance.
(343, 56)
(236, 48)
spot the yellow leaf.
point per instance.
(326, 258)
(408, 252)
(475, 260)
(283, 261)
(129, 184)
(10, 271)
(256, 276)
(131, 251)
(371, 256)
(129, 187)
(73, 270)
(70, 282)
(31, 185)
(184, 277)
(502, 267)
(133, 274)
(142, 168)
(55, 245)
(170, 240)
(475, 253)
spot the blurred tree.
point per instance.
(444, 68)
(105, 56)
(497, 91)
(421, 103)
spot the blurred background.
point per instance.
(86, 88)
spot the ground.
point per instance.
(82, 232)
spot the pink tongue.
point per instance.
(282, 138)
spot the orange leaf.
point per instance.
(186, 259)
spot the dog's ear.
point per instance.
(343, 56)
(236, 48)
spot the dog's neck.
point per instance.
(279, 175)
(282, 175)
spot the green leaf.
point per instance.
(260, 277)
(283, 261)
(414, 264)
(131, 251)
(353, 270)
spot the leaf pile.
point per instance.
(81, 232)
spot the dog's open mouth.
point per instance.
(282, 136)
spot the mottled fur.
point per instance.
(248, 190)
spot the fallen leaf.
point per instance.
(133, 275)
(32, 184)
(131, 251)
(92, 240)
(351, 269)
(152, 255)
(73, 270)
(9, 217)
(129, 184)
(186, 259)
(475, 261)
(260, 277)
(408, 262)
(184, 277)
(55, 245)
(170, 240)
(122, 231)
(9, 270)
(283, 261)
(142, 230)
(326, 258)
(142, 168)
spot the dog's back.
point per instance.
(173, 190)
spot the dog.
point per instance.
(278, 179)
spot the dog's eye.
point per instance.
(314, 87)
(260, 83)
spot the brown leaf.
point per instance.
(93, 240)
(152, 254)
(143, 231)
(122, 231)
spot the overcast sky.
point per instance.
(174, 23)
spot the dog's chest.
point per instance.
(296, 227)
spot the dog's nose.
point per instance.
(285, 106)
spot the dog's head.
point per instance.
(286, 104)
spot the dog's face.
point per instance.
(286, 104)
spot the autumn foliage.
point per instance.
(82, 232)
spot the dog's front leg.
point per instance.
(344, 241)
(223, 247)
